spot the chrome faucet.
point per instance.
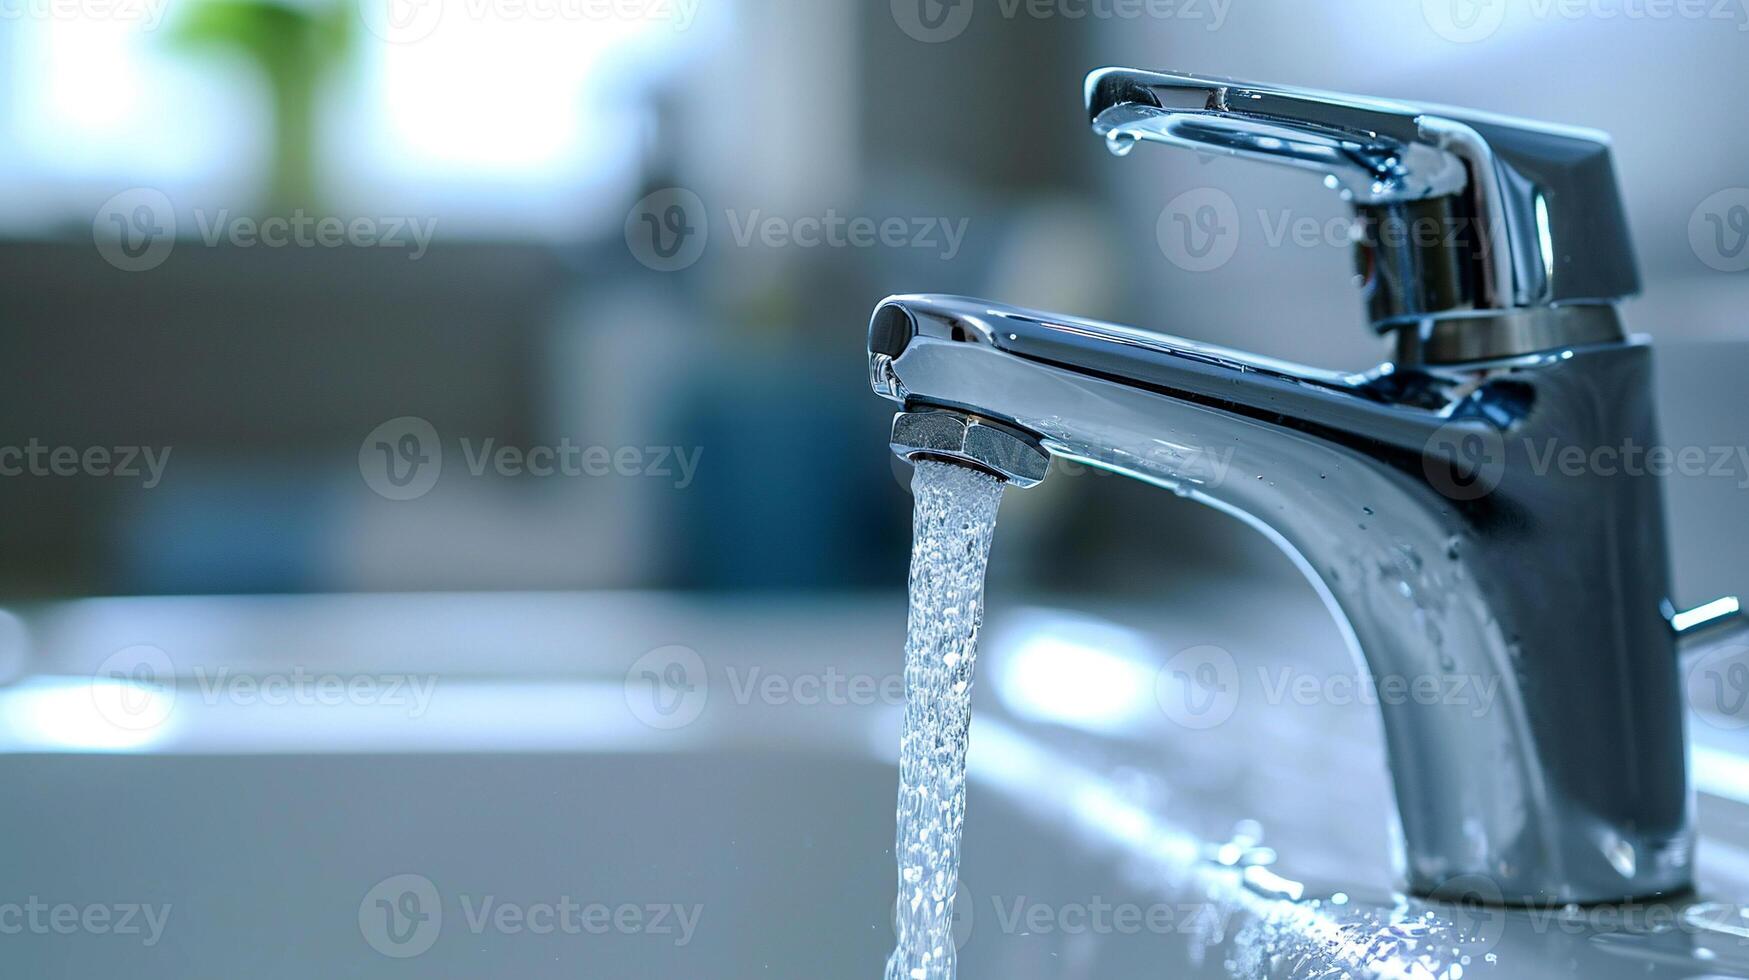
(1418, 496)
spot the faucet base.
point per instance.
(1492, 335)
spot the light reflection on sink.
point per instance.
(528, 779)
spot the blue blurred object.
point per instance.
(796, 491)
(226, 531)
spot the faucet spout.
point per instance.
(1424, 507)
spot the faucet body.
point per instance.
(1431, 510)
(1482, 510)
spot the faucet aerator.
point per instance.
(1015, 457)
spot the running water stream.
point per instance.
(955, 518)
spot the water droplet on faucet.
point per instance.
(1120, 143)
(1621, 856)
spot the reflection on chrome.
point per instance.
(1717, 612)
(1719, 772)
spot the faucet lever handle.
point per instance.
(1463, 214)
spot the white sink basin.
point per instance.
(754, 840)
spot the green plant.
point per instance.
(294, 47)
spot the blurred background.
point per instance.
(324, 261)
(316, 314)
